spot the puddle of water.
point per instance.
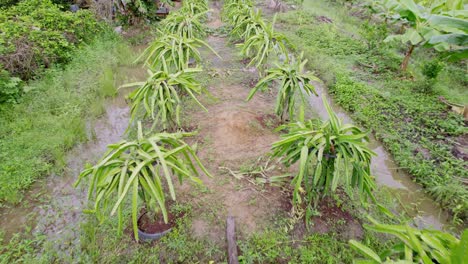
(425, 211)
(53, 207)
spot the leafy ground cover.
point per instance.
(345, 47)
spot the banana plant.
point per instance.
(293, 81)
(172, 52)
(263, 43)
(415, 246)
(185, 25)
(441, 32)
(143, 168)
(160, 96)
(329, 154)
(454, 8)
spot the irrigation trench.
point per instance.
(231, 134)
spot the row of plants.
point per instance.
(142, 169)
(405, 110)
(35, 35)
(329, 153)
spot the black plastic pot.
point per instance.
(192, 62)
(162, 12)
(151, 237)
(143, 236)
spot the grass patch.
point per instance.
(51, 117)
(275, 246)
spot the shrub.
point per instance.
(7, 3)
(9, 87)
(132, 11)
(432, 69)
(36, 34)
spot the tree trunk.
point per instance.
(405, 62)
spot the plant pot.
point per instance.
(162, 12)
(143, 236)
(192, 62)
(150, 230)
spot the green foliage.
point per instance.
(194, 7)
(329, 153)
(263, 43)
(37, 34)
(240, 15)
(18, 249)
(246, 23)
(185, 25)
(275, 246)
(293, 81)
(132, 11)
(432, 69)
(171, 52)
(415, 246)
(429, 27)
(160, 96)
(7, 3)
(328, 39)
(374, 34)
(49, 118)
(139, 168)
(415, 128)
(388, 117)
(9, 87)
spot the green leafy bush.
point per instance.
(133, 11)
(9, 87)
(432, 69)
(7, 3)
(36, 34)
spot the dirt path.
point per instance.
(232, 134)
